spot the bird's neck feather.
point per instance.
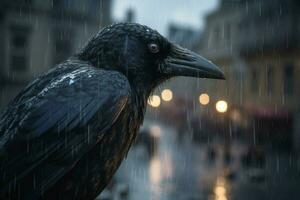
(141, 90)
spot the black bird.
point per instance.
(66, 133)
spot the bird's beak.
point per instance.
(183, 62)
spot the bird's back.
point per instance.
(66, 133)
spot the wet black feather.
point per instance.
(66, 133)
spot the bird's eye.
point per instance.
(153, 48)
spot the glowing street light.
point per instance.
(221, 106)
(154, 101)
(204, 99)
(167, 95)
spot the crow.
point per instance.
(66, 133)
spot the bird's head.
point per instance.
(144, 56)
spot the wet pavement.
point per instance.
(183, 170)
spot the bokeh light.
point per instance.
(167, 95)
(221, 106)
(154, 101)
(155, 131)
(204, 99)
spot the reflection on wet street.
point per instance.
(185, 170)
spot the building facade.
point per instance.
(257, 44)
(269, 43)
(220, 44)
(36, 35)
(185, 88)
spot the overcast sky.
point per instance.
(159, 13)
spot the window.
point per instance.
(61, 4)
(62, 49)
(23, 2)
(19, 62)
(254, 81)
(19, 48)
(216, 35)
(227, 31)
(62, 46)
(269, 78)
(288, 79)
(19, 40)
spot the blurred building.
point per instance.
(257, 43)
(269, 43)
(220, 44)
(179, 104)
(186, 89)
(36, 35)
(184, 36)
(130, 16)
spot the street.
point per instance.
(184, 170)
